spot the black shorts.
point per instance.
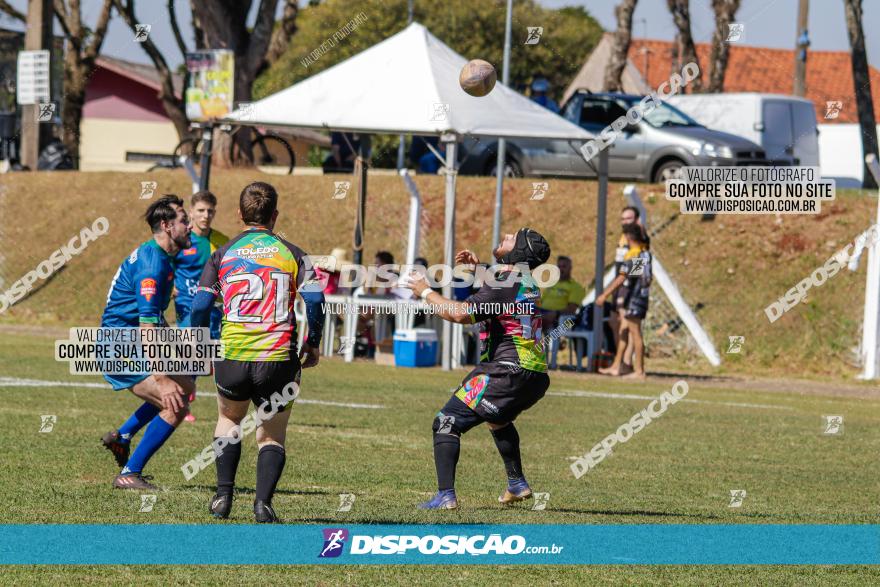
(496, 393)
(255, 380)
(637, 304)
(621, 296)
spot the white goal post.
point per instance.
(871, 321)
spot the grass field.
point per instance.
(678, 470)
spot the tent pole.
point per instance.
(207, 140)
(400, 147)
(601, 213)
(449, 243)
(360, 168)
(499, 166)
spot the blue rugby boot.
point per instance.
(517, 490)
(444, 500)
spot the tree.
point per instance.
(282, 35)
(619, 46)
(473, 29)
(222, 24)
(862, 85)
(11, 11)
(82, 48)
(684, 40)
(172, 103)
(725, 11)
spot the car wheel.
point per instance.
(511, 169)
(669, 170)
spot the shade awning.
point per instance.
(407, 83)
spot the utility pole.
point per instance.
(803, 41)
(37, 36)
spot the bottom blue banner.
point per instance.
(442, 544)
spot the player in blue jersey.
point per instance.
(189, 263)
(139, 294)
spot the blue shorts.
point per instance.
(184, 312)
(125, 381)
(120, 382)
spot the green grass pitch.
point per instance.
(679, 469)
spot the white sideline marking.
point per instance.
(630, 396)
(16, 382)
(313, 401)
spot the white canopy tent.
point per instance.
(408, 83)
(395, 87)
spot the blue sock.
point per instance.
(136, 421)
(157, 433)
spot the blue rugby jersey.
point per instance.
(141, 289)
(189, 263)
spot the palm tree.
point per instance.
(725, 11)
(619, 46)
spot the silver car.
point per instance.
(655, 149)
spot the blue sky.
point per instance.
(769, 23)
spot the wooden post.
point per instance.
(37, 36)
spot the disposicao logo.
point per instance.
(334, 541)
(407, 544)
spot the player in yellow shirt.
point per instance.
(634, 279)
(629, 215)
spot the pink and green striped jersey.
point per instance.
(257, 275)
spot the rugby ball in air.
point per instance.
(477, 77)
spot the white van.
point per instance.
(785, 126)
(841, 153)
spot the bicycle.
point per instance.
(270, 150)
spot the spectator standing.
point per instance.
(629, 215)
(634, 277)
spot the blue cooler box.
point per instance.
(415, 348)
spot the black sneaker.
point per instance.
(221, 505)
(120, 450)
(133, 481)
(264, 513)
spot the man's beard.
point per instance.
(183, 242)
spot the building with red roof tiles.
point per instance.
(749, 69)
